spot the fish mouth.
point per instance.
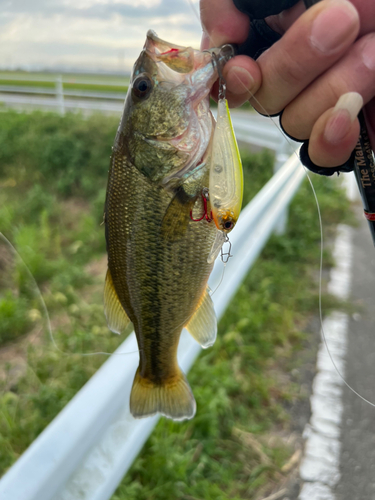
(160, 45)
(171, 64)
(176, 57)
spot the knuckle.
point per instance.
(290, 71)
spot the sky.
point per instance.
(89, 35)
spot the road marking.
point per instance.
(320, 466)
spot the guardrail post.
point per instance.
(60, 95)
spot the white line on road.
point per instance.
(320, 467)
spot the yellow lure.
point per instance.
(226, 177)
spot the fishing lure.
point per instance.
(226, 176)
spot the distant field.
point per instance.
(105, 83)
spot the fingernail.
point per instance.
(368, 52)
(344, 114)
(239, 80)
(332, 27)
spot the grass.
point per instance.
(76, 77)
(66, 86)
(53, 175)
(93, 83)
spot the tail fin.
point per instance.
(173, 399)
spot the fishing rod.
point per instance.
(362, 157)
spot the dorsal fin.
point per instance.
(117, 318)
(203, 324)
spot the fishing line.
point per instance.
(46, 313)
(320, 228)
(221, 279)
(320, 301)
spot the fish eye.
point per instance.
(142, 86)
(228, 225)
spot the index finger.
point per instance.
(223, 22)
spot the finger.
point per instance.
(336, 132)
(283, 21)
(353, 73)
(223, 23)
(366, 11)
(315, 41)
(243, 78)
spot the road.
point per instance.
(357, 460)
(339, 455)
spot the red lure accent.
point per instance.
(369, 216)
(169, 51)
(205, 215)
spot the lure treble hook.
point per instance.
(205, 198)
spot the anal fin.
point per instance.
(117, 318)
(203, 324)
(173, 399)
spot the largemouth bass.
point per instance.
(158, 242)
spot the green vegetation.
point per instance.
(94, 83)
(68, 77)
(67, 86)
(52, 176)
(28, 83)
(13, 314)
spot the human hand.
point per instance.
(306, 71)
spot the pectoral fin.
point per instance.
(117, 318)
(203, 325)
(177, 216)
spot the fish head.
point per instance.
(167, 125)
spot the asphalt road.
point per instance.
(357, 460)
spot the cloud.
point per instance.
(90, 34)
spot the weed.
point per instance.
(14, 319)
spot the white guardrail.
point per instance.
(86, 450)
(60, 98)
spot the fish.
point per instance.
(158, 241)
